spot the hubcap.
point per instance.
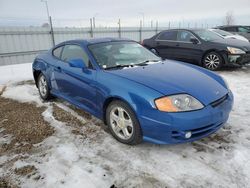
(121, 123)
(212, 61)
(43, 86)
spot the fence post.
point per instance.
(140, 31)
(119, 28)
(169, 25)
(156, 27)
(91, 28)
(51, 32)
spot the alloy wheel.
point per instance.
(121, 123)
(212, 62)
(43, 86)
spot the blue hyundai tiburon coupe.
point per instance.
(139, 96)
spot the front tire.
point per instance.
(123, 123)
(212, 61)
(43, 87)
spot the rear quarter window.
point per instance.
(57, 52)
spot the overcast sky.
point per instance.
(130, 11)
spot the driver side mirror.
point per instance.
(194, 40)
(77, 63)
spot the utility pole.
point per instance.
(50, 22)
(47, 8)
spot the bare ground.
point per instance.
(25, 125)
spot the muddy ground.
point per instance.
(25, 125)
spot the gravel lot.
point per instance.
(54, 144)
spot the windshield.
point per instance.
(221, 32)
(121, 54)
(207, 35)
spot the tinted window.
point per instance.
(57, 52)
(184, 36)
(243, 29)
(168, 35)
(74, 52)
(232, 29)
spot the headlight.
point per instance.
(235, 50)
(178, 103)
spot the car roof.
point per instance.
(225, 26)
(184, 29)
(96, 40)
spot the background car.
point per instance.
(137, 95)
(199, 46)
(236, 29)
(228, 35)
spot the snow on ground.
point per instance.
(12, 73)
(221, 160)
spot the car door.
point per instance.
(187, 50)
(75, 84)
(166, 44)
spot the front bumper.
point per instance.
(170, 128)
(240, 59)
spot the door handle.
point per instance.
(59, 69)
(177, 45)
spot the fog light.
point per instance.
(188, 134)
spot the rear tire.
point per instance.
(123, 123)
(43, 87)
(212, 61)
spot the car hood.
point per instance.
(244, 45)
(172, 77)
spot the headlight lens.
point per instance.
(235, 50)
(178, 103)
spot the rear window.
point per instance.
(168, 35)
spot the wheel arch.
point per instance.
(109, 100)
(212, 50)
(39, 66)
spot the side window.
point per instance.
(57, 52)
(168, 35)
(230, 29)
(74, 52)
(184, 36)
(243, 29)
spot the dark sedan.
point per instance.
(199, 46)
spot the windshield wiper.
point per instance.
(146, 62)
(118, 67)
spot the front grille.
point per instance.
(219, 101)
